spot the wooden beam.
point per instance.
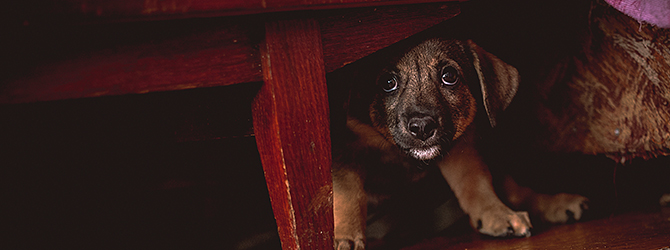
(116, 59)
(87, 11)
(291, 124)
(90, 61)
(351, 35)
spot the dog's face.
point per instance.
(428, 98)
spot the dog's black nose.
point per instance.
(422, 127)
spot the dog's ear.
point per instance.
(497, 79)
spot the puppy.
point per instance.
(424, 112)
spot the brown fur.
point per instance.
(383, 143)
(382, 156)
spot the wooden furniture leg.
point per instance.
(291, 124)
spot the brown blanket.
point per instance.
(613, 97)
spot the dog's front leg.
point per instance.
(470, 180)
(349, 209)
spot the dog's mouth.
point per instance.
(425, 153)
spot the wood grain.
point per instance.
(87, 61)
(635, 230)
(76, 62)
(352, 34)
(292, 132)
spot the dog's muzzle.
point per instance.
(425, 153)
(423, 130)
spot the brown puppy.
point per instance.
(423, 113)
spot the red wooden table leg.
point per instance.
(291, 124)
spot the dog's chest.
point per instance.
(387, 170)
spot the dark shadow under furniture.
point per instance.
(62, 50)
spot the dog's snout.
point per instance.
(422, 127)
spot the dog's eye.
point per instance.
(449, 76)
(388, 82)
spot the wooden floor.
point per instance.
(633, 230)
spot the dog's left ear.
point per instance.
(497, 79)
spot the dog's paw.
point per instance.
(665, 200)
(349, 244)
(500, 221)
(562, 208)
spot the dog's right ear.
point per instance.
(498, 80)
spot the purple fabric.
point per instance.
(655, 12)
